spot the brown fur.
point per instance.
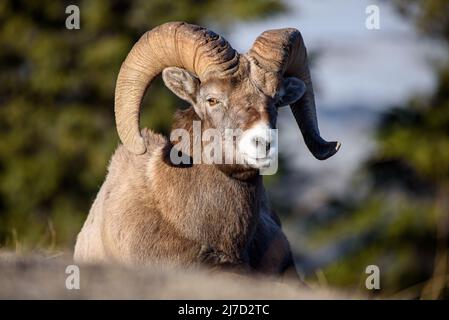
(149, 211)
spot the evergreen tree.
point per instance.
(401, 220)
(57, 128)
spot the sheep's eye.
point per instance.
(212, 101)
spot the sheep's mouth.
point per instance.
(258, 146)
(261, 161)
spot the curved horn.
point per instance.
(174, 44)
(281, 53)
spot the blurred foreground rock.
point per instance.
(38, 277)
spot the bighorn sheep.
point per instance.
(150, 210)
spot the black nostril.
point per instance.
(261, 142)
(257, 142)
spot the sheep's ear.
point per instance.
(292, 90)
(182, 83)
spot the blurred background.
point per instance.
(382, 200)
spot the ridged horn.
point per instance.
(173, 44)
(282, 53)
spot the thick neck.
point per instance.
(207, 205)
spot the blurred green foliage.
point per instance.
(57, 133)
(56, 102)
(400, 222)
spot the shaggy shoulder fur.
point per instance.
(151, 212)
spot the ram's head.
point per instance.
(227, 90)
